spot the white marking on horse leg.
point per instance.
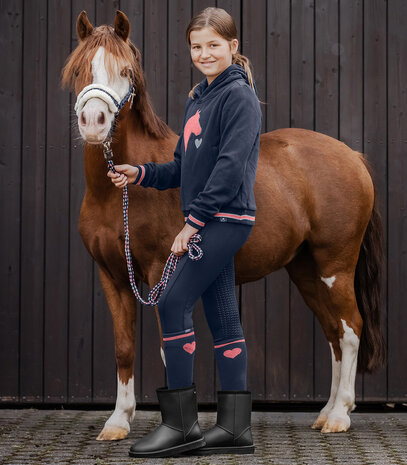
(328, 281)
(336, 372)
(163, 356)
(118, 425)
(338, 418)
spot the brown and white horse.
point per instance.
(317, 216)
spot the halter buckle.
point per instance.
(132, 95)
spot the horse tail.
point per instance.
(368, 279)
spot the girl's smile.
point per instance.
(211, 53)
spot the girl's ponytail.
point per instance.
(244, 63)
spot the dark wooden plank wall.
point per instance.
(334, 66)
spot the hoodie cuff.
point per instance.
(196, 220)
(141, 174)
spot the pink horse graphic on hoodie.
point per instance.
(192, 126)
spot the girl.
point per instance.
(215, 164)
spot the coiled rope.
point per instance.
(172, 261)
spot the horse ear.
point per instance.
(83, 26)
(122, 25)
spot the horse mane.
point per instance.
(78, 67)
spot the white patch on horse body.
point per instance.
(328, 281)
(124, 411)
(345, 395)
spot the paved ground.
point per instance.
(63, 437)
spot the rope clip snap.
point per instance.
(107, 151)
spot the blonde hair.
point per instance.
(222, 23)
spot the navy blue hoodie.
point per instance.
(215, 159)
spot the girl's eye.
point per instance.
(197, 46)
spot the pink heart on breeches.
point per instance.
(232, 353)
(189, 347)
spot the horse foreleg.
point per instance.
(123, 309)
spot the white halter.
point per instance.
(105, 93)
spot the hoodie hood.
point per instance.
(233, 72)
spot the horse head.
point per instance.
(105, 71)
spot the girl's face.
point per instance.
(211, 53)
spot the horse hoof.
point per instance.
(335, 424)
(320, 421)
(112, 433)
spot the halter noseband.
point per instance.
(105, 93)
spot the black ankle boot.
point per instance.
(179, 430)
(232, 431)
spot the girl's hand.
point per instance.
(128, 174)
(179, 247)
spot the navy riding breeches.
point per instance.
(212, 278)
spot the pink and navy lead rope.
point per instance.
(172, 261)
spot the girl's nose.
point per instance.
(205, 53)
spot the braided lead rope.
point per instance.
(172, 261)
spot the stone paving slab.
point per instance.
(67, 437)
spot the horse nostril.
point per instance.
(83, 119)
(101, 118)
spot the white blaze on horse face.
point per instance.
(328, 281)
(96, 119)
(120, 84)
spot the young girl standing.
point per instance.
(215, 164)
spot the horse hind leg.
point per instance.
(336, 274)
(336, 372)
(322, 292)
(338, 418)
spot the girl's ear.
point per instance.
(235, 45)
(122, 25)
(83, 26)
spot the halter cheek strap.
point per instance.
(108, 95)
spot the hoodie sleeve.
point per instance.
(240, 125)
(164, 175)
(161, 175)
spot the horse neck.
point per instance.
(131, 144)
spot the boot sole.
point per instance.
(222, 450)
(171, 450)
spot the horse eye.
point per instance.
(123, 73)
(76, 72)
